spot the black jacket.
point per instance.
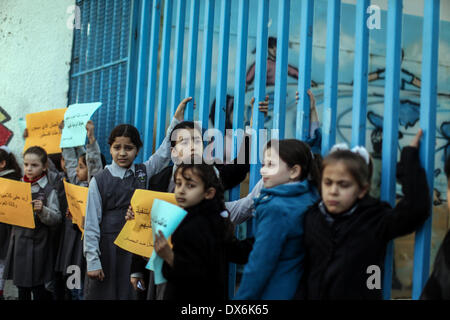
(339, 254)
(438, 285)
(202, 247)
(231, 175)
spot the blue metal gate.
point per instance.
(120, 60)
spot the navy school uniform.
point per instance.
(5, 229)
(29, 260)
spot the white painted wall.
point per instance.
(35, 55)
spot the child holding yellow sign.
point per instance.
(110, 192)
(9, 169)
(81, 165)
(29, 260)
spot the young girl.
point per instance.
(203, 243)
(9, 169)
(80, 166)
(348, 231)
(110, 192)
(29, 260)
(275, 265)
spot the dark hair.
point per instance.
(40, 152)
(222, 227)
(447, 169)
(184, 125)
(56, 160)
(11, 162)
(355, 164)
(208, 176)
(228, 110)
(296, 152)
(126, 130)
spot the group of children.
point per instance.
(316, 228)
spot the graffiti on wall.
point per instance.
(5, 133)
(410, 84)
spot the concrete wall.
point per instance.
(35, 55)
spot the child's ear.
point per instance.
(363, 191)
(3, 164)
(210, 193)
(296, 172)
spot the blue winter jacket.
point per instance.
(275, 265)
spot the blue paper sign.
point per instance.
(165, 217)
(75, 119)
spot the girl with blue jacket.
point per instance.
(275, 265)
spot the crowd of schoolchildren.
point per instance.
(316, 229)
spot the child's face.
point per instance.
(123, 152)
(275, 171)
(340, 190)
(82, 172)
(190, 189)
(33, 166)
(188, 143)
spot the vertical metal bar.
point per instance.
(390, 122)
(239, 107)
(331, 75)
(428, 96)
(151, 92)
(222, 73)
(142, 67)
(208, 33)
(178, 57)
(164, 73)
(192, 58)
(304, 83)
(279, 112)
(260, 88)
(131, 82)
(360, 74)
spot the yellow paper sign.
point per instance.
(43, 130)
(136, 235)
(76, 201)
(15, 203)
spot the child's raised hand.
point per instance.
(163, 249)
(37, 205)
(312, 105)
(96, 274)
(90, 131)
(179, 113)
(130, 213)
(416, 140)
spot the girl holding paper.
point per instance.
(81, 165)
(110, 192)
(29, 260)
(9, 169)
(203, 243)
